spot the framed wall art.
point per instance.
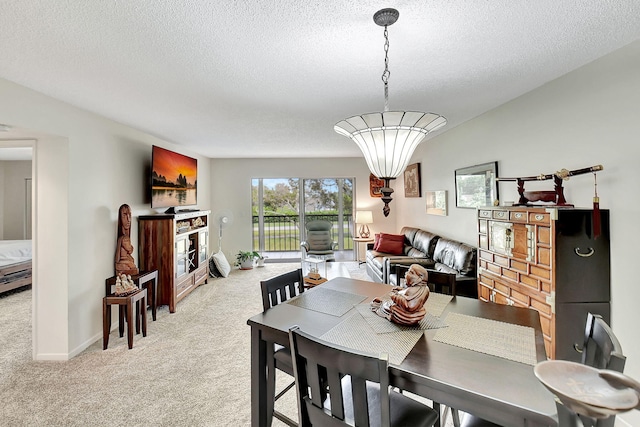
(476, 185)
(412, 181)
(437, 202)
(375, 184)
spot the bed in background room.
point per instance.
(15, 264)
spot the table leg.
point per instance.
(152, 295)
(144, 317)
(154, 298)
(121, 313)
(106, 323)
(139, 309)
(130, 310)
(271, 383)
(258, 379)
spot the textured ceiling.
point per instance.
(271, 78)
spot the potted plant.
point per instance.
(261, 259)
(245, 259)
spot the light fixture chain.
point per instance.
(386, 73)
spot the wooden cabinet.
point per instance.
(546, 259)
(176, 245)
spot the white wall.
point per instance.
(85, 167)
(588, 117)
(13, 190)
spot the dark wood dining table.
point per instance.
(494, 388)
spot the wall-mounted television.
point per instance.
(174, 179)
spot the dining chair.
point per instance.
(275, 291)
(337, 386)
(601, 349)
(442, 283)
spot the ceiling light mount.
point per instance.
(388, 139)
(386, 17)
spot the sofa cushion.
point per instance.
(390, 243)
(443, 268)
(456, 255)
(413, 252)
(422, 241)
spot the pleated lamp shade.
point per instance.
(388, 139)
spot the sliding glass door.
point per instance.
(281, 207)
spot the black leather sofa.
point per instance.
(431, 251)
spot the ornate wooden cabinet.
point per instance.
(177, 245)
(546, 259)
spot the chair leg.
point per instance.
(284, 390)
(442, 419)
(455, 416)
(271, 399)
(288, 421)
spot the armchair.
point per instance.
(319, 241)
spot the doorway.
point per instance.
(16, 158)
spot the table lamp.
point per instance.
(363, 218)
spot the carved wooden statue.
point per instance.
(124, 263)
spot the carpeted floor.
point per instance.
(192, 369)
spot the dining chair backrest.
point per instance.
(442, 283)
(601, 350)
(281, 288)
(320, 369)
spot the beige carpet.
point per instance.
(192, 369)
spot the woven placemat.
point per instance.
(354, 332)
(383, 326)
(327, 301)
(436, 303)
(506, 340)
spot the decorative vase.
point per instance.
(246, 264)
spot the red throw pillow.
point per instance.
(391, 243)
(376, 241)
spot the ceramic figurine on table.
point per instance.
(125, 285)
(407, 303)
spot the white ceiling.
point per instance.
(270, 78)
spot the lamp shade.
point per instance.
(364, 217)
(388, 139)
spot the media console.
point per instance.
(177, 245)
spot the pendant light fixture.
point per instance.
(388, 139)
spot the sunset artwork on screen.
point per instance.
(174, 179)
